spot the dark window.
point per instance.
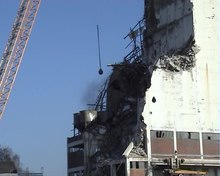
(162, 134)
(211, 136)
(187, 135)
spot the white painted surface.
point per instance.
(189, 100)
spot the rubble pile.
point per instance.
(137, 152)
(178, 61)
(123, 122)
(127, 87)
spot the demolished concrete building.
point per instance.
(161, 115)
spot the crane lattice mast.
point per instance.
(15, 48)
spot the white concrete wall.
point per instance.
(188, 101)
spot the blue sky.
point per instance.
(58, 75)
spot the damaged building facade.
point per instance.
(161, 115)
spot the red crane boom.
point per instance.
(15, 48)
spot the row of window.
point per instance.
(185, 135)
(75, 149)
(77, 173)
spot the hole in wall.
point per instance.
(154, 100)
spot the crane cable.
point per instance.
(100, 64)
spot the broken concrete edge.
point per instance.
(128, 149)
(175, 62)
